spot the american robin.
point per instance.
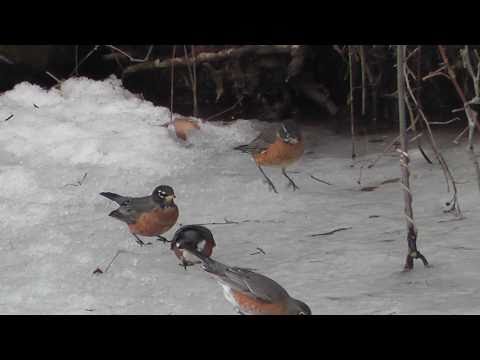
(280, 148)
(192, 236)
(183, 127)
(147, 216)
(249, 292)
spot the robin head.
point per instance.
(194, 239)
(289, 132)
(297, 307)
(163, 194)
(191, 236)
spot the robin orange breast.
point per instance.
(280, 148)
(147, 216)
(249, 292)
(193, 237)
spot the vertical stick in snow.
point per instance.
(472, 116)
(364, 80)
(192, 73)
(352, 103)
(195, 101)
(172, 78)
(413, 252)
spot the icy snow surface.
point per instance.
(55, 232)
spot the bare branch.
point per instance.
(95, 48)
(455, 207)
(131, 58)
(208, 57)
(472, 115)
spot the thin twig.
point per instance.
(229, 222)
(260, 251)
(131, 58)
(79, 182)
(194, 85)
(99, 271)
(413, 52)
(76, 60)
(438, 72)
(172, 79)
(224, 111)
(386, 150)
(53, 77)
(443, 164)
(352, 101)
(190, 61)
(95, 48)
(331, 232)
(147, 56)
(444, 123)
(457, 139)
(472, 115)
(8, 118)
(321, 181)
(364, 80)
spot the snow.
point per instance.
(93, 136)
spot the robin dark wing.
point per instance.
(119, 199)
(132, 208)
(261, 142)
(244, 280)
(258, 285)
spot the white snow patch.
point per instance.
(17, 182)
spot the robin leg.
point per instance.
(270, 183)
(162, 239)
(140, 242)
(291, 182)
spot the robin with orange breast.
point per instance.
(280, 148)
(249, 292)
(192, 237)
(146, 216)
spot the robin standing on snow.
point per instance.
(277, 148)
(147, 216)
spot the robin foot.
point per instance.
(291, 183)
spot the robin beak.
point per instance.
(170, 198)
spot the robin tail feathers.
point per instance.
(242, 148)
(114, 197)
